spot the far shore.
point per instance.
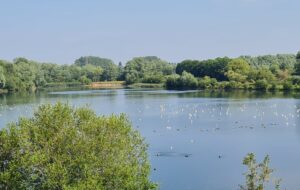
(107, 84)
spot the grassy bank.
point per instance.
(108, 84)
(146, 85)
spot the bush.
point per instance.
(188, 81)
(85, 80)
(207, 82)
(295, 80)
(153, 79)
(185, 81)
(65, 148)
(258, 174)
(231, 85)
(287, 85)
(261, 84)
(172, 81)
(274, 86)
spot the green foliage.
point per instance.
(240, 73)
(109, 72)
(93, 60)
(85, 80)
(284, 61)
(172, 81)
(188, 81)
(185, 81)
(298, 56)
(153, 78)
(2, 77)
(258, 174)
(297, 65)
(65, 148)
(237, 70)
(261, 84)
(147, 69)
(207, 82)
(297, 68)
(287, 85)
(92, 72)
(214, 68)
(21, 75)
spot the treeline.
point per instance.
(27, 75)
(23, 74)
(262, 72)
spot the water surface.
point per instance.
(197, 139)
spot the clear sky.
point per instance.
(62, 30)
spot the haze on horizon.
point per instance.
(61, 31)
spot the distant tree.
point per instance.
(110, 73)
(2, 77)
(94, 73)
(110, 70)
(93, 60)
(24, 75)
(148, 68)
(297, 65)
(20, 60)
(261, 74)
(172, 81)
(214, 68)
(185, 81)
(298, 56)
(238, 70)
(284, 61)
(121, 75)
(261, 84)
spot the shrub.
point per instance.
(274, 86)
(261, 84)
(185, 81)
(207, 82)
(65, 148)
(295, 80)
(188, 81)
(172, 81)
(158, 78)
(258, 174)
(287, 85)
(85, 80)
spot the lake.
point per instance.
(197, 139)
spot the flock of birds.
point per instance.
(218, 116)
(207, 116)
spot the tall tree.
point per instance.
(297, 65)
(2, 77)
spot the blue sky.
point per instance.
(62, 30)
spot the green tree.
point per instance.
(238, 70)
(110, 70)
(297, 65)
(261, 84)
(22, 75)
(188, 81)
(2, 77)
(172, 81)
(65, 148)
(94, 73)
(214, 68)
(258, 174)
(147, 69)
